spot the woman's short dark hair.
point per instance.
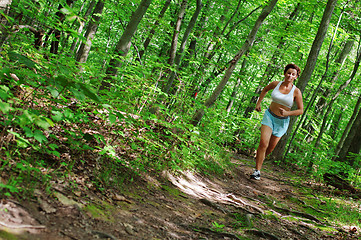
(293, 66)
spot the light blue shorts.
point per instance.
(279, 125)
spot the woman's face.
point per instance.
(290, 75)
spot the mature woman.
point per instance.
(276, 117)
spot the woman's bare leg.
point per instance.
(266, 133)
(272, 144)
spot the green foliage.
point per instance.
(53, 109)
(7, 236)
(241, 221)
(333, 209)
(217, 227)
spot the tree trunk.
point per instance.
(152, 31)
(352, 143)
(5, 25)
(211, 52)
(236, 86)
(179, 55)
(55, 44)
(82, 24)
(308, 70)
(341, 88)
(344, 136)
(273, 67)
(233, 95)
(339, 183)
(247, 44)
(321, 104)
(84, 49)
(199, 30)
(173, 48)
(123, 46)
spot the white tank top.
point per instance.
(283, 99)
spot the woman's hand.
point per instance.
(258, 108)
(284, 113)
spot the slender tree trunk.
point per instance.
(123, 45)
(55, 44)
(109, 43)
(308, 70)
(273, 67)
(211, 52)
(82, 24)
(341, 148)
(5, 26)
(84, 49)
(321, 104)
(352, 142)
(179, 54)
(236, 86)
(246, 46)
(341, 88)
(152, 31)
(173, 48)
(197, 35)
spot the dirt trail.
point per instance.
(186, 206)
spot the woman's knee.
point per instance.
(263, 145)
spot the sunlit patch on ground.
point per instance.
(16, 220)
(197, 187)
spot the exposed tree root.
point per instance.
(299, 214)
(234, 199)
(337, 182)
(214, 205)
(21, 226)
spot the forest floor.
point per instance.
(185, 206)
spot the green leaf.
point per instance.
(4, 93)
(4, 107)
(87, 147)
(25, 118)
(89, 93)
(78, 94)
(39, 136)
(21, 142)
(53, 91)
(63, 81)
(22, 59)
(9, 187)
(28, 132)
(58, 116)
(106, 105)
(43, 122)
(66, 11)
(68, 114)
(112, 118)
(71, 18)
(53, 146)
(134, 146)
(55, 153)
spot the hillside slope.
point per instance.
(183, 206)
